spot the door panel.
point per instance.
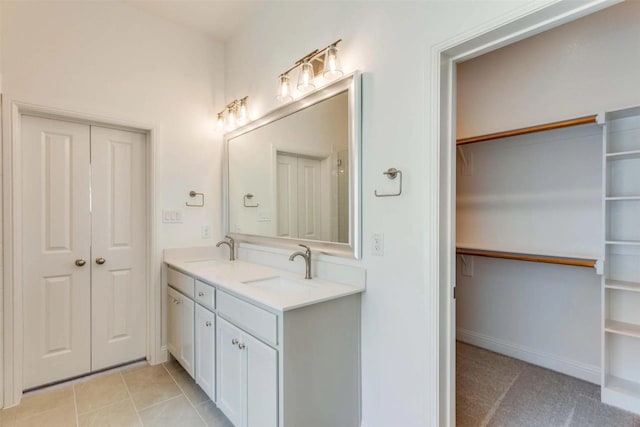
(56, 232)
(262, 383)
(205, 350)
(287, 195)
(309, 175)
(230, 373)
(118, 235)
(186, 356)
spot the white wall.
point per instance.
(112, 60)
(541, 193)
(390, 42)
(578, 69)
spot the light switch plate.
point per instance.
(171, 217)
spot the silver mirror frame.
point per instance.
(352, 84)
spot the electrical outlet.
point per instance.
(206, 232)
(377, 244)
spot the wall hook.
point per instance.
(391, 173)
(249, 196)
(193, 193)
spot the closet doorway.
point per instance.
(446, 58)
(84, 248)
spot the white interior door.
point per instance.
(84, 199)
(56, 239)
(118, 246)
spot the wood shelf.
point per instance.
(624, 155)
(621, 285)
(621, 198)
(577, 262)
(622, 328)
(623, 242)
(531, 129)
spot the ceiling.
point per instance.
(219, 19)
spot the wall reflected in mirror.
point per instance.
(290, 177)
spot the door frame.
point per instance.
(12, 317)
(524, 22)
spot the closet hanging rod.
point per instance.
(577, 262)
(532, 129)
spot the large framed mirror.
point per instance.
(293, 176)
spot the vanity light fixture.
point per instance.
(323, 62)
(235, 114)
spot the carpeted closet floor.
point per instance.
(496, 390)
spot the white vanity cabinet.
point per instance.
(206, 350)
(180, 333)
(247, 378)
(264, 364)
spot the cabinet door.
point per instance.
(230, 378)
(205, 350)
(173, 323)
(261, 383)
(187, 319)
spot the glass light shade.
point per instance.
(243, 114)
(220, 121)
(305, 79)
(284, 89)
(231, 118)
(332, 68)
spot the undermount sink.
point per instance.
(208, 262)
(282, 285)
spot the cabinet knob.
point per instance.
(200, 294)
(241, 346)
(80, 262)
(100, 260)
(208, 323)
(234, 341)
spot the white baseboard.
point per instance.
(573, 368)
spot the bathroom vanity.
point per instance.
(269, 347)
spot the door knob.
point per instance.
(241, 346)
(100, 260)
(80, 262)
(234, 341)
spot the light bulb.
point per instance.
(332, 67)
(243, 114)
(305, 79)
(284, 89)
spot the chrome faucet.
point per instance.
(232, 247)
(307, 260)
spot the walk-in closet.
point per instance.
(548, 227)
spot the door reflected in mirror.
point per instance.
(292, 176)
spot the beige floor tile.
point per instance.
(33, 404)
(150, 385)
(175, 412)
(62, 416)
(173, 365)
(189, 387)
(99, 392)
(212, 415)
(121, 414)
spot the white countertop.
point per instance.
(229, 276)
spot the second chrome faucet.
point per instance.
(307, 260)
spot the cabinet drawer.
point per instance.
(255, 320)
(205, 295)
(181, 282)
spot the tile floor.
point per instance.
(160, 395)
